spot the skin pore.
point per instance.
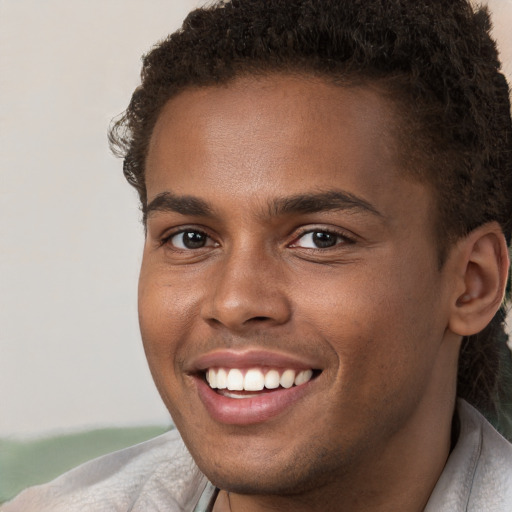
(280, 228)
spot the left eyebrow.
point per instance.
(322, 201)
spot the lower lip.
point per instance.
(247, 411)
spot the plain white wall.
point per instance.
(70, 236)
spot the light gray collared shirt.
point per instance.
(160, 476)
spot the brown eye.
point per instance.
(190, 239)
(318, 240)
(323, 240)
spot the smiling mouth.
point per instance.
(248, 382)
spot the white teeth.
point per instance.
(301, 378)
(255, 379)
(235, 381)
(222, 379)
(287, 379)
(234, 395)
(272, 379)
(212, 378)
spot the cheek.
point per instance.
(164, 318)
(165, 311)
(378, 323)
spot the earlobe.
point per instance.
(482, 268)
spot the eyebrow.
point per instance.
(300, 203)
(322, 201)
(185, 205)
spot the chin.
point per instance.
(263, 476)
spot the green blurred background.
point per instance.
(32, 462)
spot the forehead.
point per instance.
(276, 135)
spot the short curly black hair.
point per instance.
(435, 58)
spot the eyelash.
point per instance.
(345, 237)
(168, 237)
(338, 234)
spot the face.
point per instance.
(291, 306)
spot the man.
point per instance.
(326, 193)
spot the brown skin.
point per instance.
(383, 321)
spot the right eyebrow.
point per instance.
(185, 205)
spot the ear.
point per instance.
(481, 270)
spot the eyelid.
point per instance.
(348, 237)
(168, 235)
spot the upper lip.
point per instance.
(249, 358)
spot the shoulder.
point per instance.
(492, 483)
(158, 474)
(478, 472)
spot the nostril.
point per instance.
(236, 308)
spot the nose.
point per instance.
(247, 290)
